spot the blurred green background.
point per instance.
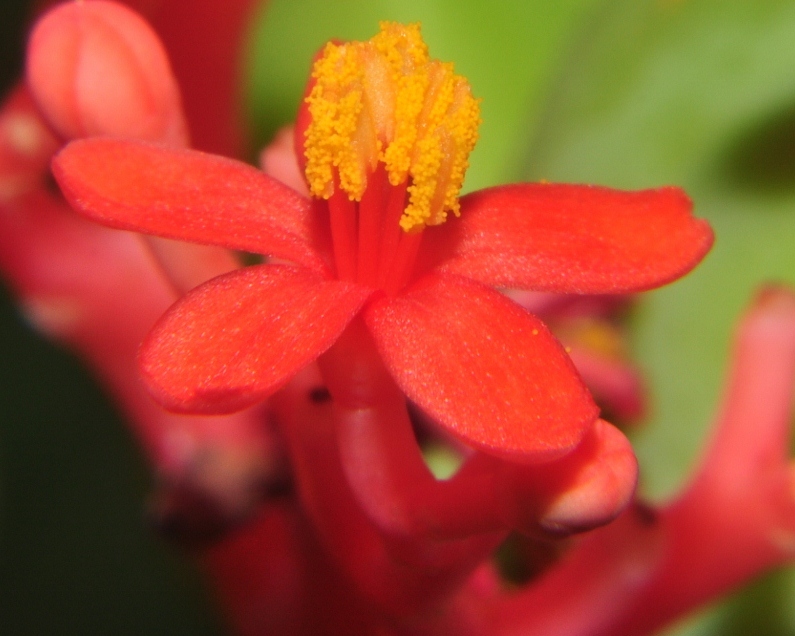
(626, 93)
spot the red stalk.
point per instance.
(380, 455)
(404, 578)
(736, 520)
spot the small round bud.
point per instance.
(97, 68)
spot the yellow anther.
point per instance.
(596, 335)
(335, 105)
(386, 100)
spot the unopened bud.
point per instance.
(583, 490)
(97, 68)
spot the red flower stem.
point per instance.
(272, 576)
(322, 488)
(342, 214)
(736, 520)
(206, 55)
(615, 383)
(383, 461)
(384, 466)
(403, 577)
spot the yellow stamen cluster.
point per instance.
(386, 100)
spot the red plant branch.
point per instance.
(735, 520)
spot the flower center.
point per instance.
(388, 143)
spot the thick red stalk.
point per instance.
(274, 578)
(405, 578)
(205, 39)
(382, 460)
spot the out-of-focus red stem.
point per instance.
(616, 384)
(99, 291)
(273, 578)
(204, 40)
(735, 520)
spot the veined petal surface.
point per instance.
(573, 238)
(485, 368)
(187, 195)
(237, 338)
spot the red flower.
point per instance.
(369, 245)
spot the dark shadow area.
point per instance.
(521, 559)
(76, 556)
(760, 608)
(763, 159)
(13, 18)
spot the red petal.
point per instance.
(573, 239)
(485, 368)
(187, 195)
(236, 339)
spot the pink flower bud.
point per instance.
(97, 68)
(583, 490)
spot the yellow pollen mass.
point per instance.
(386, 100)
